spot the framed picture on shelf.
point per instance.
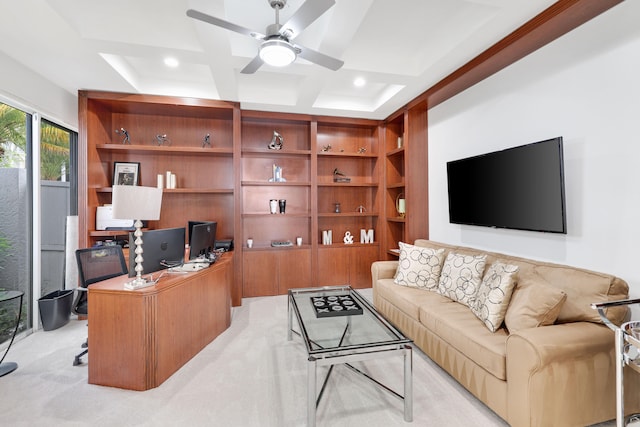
(126, 173)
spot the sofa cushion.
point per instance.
(533, 306)
(494, 294)
(419, 267)
(461, 276)
(457, 325)
(582, 287)
(407, 299)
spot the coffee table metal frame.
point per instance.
(345, 353)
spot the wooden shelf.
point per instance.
(395, 185)
(396, 152)
(267, 247)
(350, 245)
(347, 214)
(279, 216)
(179, 190)
(396, 219)
(277, 153)
(345, 154)
(277, 184)
(347, 184)
(159, 150)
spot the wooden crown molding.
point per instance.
(552, 23)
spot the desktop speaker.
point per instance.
(225, 245)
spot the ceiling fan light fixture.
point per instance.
(277, 53)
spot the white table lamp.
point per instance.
(137, 203)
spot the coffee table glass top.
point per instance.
(340, 331)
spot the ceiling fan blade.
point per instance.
(319, 58)
(252, 66)
(223, 24)
(304, 16)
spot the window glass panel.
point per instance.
(15, 242)
(54, 152)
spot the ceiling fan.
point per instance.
(276, 48)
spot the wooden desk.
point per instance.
(138, 339)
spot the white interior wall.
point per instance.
(584, 87)
(31, 92)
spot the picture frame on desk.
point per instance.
(126, 173)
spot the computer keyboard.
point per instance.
(190, 267)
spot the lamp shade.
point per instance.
(136, 202)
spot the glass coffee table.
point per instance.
(339, 326)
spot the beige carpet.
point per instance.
(249, 376)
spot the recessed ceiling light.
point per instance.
(171, 62)
(359, 81)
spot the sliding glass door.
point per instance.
(15, 211)
(23, 138)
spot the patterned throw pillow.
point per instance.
(494, 294)
(418, 267)
(460, 277)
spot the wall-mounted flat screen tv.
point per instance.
(518, 188)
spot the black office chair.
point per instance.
(94, 265)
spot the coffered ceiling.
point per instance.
(399, 48)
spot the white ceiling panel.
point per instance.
(400, 48)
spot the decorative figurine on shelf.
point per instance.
(206, 141)
(277, 141)
(361, 209)
(401, 206)
(348, 238)
(125, 138)
(326, 148)
(277, 174)
(162, 140)
(339, 176)
(362, 150)
(336, 208)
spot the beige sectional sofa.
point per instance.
(555, 366)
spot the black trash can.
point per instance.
(55, 309)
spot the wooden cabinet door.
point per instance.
(294, 269)
(333, 266)
(360, 265)
(260, 273)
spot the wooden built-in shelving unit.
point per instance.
(228, 182)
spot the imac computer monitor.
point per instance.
(161, 249)
(202, 238)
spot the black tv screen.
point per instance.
(519, 188)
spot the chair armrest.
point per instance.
(383, 270)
